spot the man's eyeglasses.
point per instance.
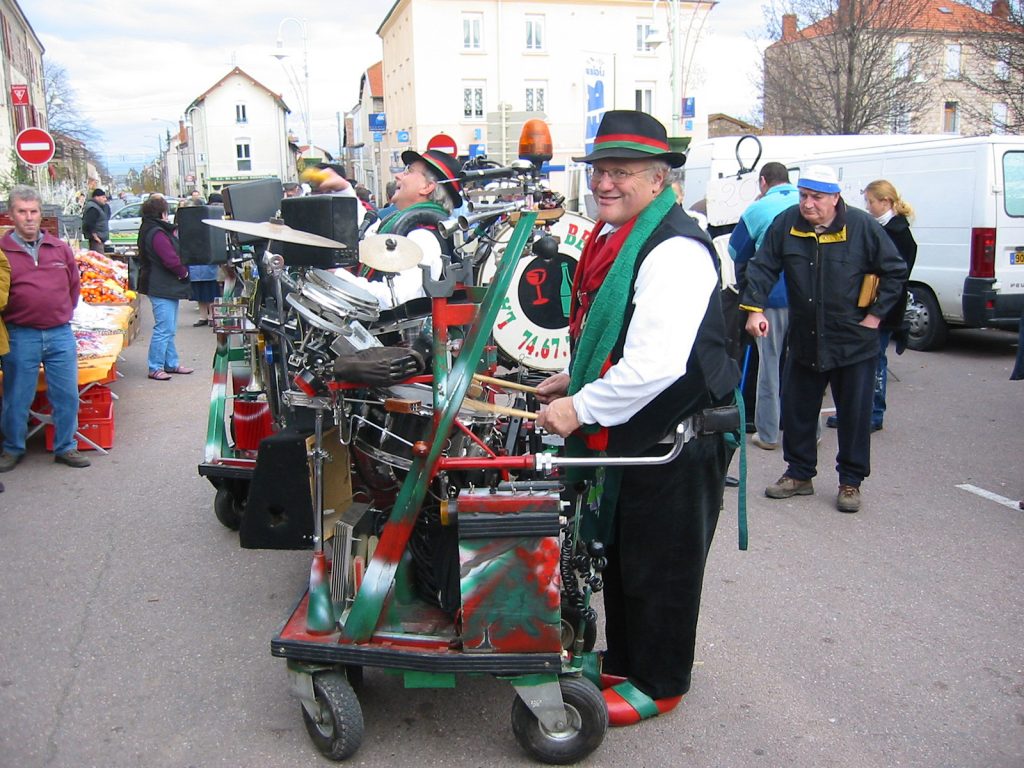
(411, 168)
(615, 175)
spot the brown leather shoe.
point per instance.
(848, 499)
(72, 459)
(9, 461)
(787, 486)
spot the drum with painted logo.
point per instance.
(532, 328)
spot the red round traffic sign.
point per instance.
(34, 146)
(444, 143)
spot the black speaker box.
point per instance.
(331, 216)
(201, 243)
(279, 510)
(256, 201)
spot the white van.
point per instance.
(720, 175)
(968, 199)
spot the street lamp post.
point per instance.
(280, 53)
(681, 63)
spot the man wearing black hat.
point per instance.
(96, 221)
(426, 192)
(649, 353)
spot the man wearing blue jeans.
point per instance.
(777, 194)
(43, 294)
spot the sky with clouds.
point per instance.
(135, 66)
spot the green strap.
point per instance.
(735, 440)
(637, 699)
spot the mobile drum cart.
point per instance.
(459, 557)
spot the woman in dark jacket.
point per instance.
(893, 213)
(164, 279)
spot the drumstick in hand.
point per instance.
(504, 384)
(478, 405)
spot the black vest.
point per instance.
(154, 278)
(711, 375)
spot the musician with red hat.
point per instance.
(427, 190)
(649, 352)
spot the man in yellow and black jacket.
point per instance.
(825, 249)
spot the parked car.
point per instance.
(125, 223)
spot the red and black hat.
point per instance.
(626, 133)
(446, 168)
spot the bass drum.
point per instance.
(532, 328)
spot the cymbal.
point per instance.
(389, 253)
(282, 233)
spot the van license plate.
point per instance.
(1017, 257)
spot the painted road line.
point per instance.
(1011, 503)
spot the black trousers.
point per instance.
(853, 389)
(665, 522)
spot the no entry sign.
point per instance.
(34, 146)
(444, 143)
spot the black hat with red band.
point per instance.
(446, 168)
(628, 134)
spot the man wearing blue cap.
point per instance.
(828, 253)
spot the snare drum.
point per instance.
(344, 297)
(388, 437)
(533, 323)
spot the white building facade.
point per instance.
(475, 70)
(236, 132)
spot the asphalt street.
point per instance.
(136, 632)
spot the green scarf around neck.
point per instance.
(601, 332)
(604, 321)
(389, 223)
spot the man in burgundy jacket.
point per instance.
(43, 294)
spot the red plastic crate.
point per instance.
(95, 420)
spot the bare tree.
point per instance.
(62, 113)
(996, 65)
(844, 66)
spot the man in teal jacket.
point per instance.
(777, 194)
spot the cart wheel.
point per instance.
(586, 721)
(570, 621)
(354, 675)
(227, 510)
(337, 730)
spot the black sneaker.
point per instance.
(9, 461)
(72, 459)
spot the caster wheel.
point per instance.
(227, 510)
(586, 721)
(570, 623)
(337, 730)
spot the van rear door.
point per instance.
(1009, 241)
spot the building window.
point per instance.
(535, 97)
(242, 155)
(643, 32)
(534, 32)
(643, 98)
(901, 61)
(953, 61)
(999, 113)
(240, 116)
(951, 118)
(473, 101)
(900, 119)
(1002, 66)
(472, 31)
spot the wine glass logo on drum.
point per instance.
(546, 289)
(536, 278)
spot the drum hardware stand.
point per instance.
(320, 618)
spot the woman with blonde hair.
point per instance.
(894, 213)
